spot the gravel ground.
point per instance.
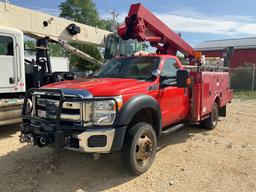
(190, 159)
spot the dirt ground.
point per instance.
(190, 159)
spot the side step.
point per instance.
(172, 129)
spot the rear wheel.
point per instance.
(139, 148)
(212, 121)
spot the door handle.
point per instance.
(11, 80)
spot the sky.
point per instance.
(196, 20)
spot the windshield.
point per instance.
(130, 67)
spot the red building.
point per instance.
(244, 50)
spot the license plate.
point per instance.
(41, 113)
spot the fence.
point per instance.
(243, 78)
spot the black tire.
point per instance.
(139, 148)
(212, 121)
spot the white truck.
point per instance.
(17, 74)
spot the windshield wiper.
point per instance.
(109, 77)
(124, 77)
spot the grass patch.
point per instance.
(245, 95)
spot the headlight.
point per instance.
(104, 112)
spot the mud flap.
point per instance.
(223, 111)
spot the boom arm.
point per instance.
(143, 25)
(36, 24)
(59, 30)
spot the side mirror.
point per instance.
(183, 78)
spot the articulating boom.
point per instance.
(143, 25)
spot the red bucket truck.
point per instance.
(132, 101)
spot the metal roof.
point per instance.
(240, 43)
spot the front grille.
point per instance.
(72, 112)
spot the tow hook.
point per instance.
(27, 139)
(40, 141)
(44, 140)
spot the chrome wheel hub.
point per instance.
(144, 149)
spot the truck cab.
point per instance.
(11, 61)
(12, 75)
(95, 115)
(129, 77)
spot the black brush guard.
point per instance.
(42, 132)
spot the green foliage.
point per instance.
(30, 44)
(57, 51)
(105, 24)
(145, 47)
(54, 49)
(81, 64)
(30, 47)
(183, 60)
(84, 11)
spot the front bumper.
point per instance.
(44, 132)
(95, 141)
(101, 140)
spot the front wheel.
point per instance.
(139, 148)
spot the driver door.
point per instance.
(173, 100)
(8, 77)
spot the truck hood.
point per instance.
(105, 86)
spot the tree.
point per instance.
(54, 49)
(29, 46)
(183, 60)
(84, 11)
(57, 51)
(145, 46)
(106, 24)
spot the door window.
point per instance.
(111, 47)
(6, 46)
(169, 71)
(170, 68)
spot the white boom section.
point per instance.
(30, 22)
(79, 53)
